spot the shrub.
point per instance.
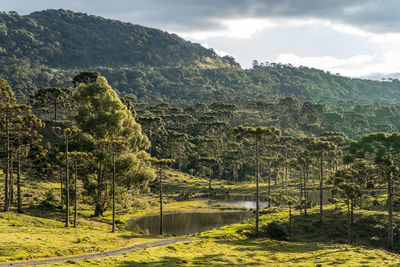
(275, 230)
(49, 201)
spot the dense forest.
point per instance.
(46, 48)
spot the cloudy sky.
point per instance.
(353, 38)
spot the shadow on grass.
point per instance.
(206, 260)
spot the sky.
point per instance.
(355, 38)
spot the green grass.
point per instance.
(250, 252)
(39, 234)
(29, 238)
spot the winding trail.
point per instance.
(101, 254)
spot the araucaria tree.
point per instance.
(67, 134)
(52, 100)
(17, 125)
(160, 165)
(320, 149)
(257, 138)
(102, 115)
(385, 148)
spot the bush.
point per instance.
(49, 201)
(275, 230)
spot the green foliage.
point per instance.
(109, 130)
(44, 49)
(275, 230)
(49, 201)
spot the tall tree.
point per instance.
(160, 165)
(319, 149)
(113, 147)
(7, 101)
(257, 137)
(102, 115)
(77, 159)
(50, 100)
(67, 134)
(384, 147)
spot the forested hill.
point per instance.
(48, 48)
(64, 39)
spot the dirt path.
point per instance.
(101, 254)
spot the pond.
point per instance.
(249, 201)
(186, 222)
(246, 201)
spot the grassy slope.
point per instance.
(225, 246)
(32, 237)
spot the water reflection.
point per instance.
(249, 201)
(186, 222)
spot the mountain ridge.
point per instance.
(47, 48)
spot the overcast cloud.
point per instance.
(363, 29)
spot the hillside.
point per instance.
(47, 48)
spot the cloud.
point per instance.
(377, 16)
(355, 66)
(241, 29)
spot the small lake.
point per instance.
(186, 222)
(249, 201)
(246, 201)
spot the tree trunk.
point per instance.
(66, 185)
(55, 109)
(286, 176)
(321, 182)
(161, 202)
(257, 190)
(113, 195)
(269, 188)
(19, 184)
(6, 196)
(305, 190)
(301, 190)
(76, 194)
(99, 209)
(209, 177)
(290, 222)
(61, 187)
(390, 210)
(352, 222)
(11, 185)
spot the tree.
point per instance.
(102, 115)
(384, 147)
(77, 158)
(6, 93)
(25, 137)
(208, 163)
(150, 125)
(319, 150)
(7, 101)
(18, 124)
(269, 161)
(53, 97)
(281, 198)
(348, 183)
(113, 147)
(67, 134)
(160, 165)
(257, 137)
(305, 160)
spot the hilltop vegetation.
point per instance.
(47, 48)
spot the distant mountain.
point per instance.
(48, 48)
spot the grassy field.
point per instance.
(230, 245)
(40, 233)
